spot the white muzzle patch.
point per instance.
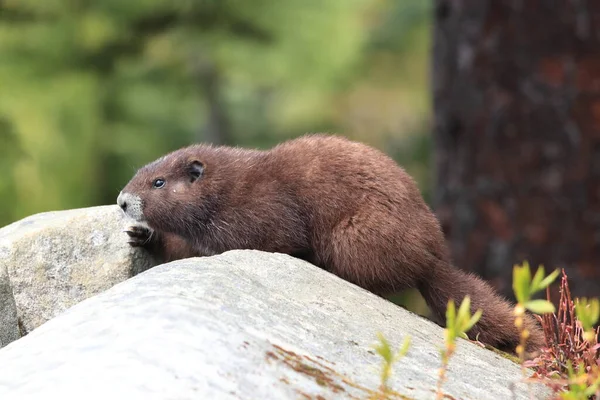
(131, 205)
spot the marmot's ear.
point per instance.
(195, 170)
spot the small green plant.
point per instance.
(524, 288)
(384, 349)
(570, 364)
(457, 325)
(588, 313)
(582, 384)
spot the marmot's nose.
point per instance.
(121, 201)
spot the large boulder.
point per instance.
(51, 261)
(244, 324)
(9, 324)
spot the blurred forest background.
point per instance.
(92, 90)
(492, 105)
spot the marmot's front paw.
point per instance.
(139, 236)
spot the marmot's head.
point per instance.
(171, 194)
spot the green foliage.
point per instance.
(588, 313)
(525, 287)
(582, 384)
(92, 90)
(389, 358)
(571, 339)
(457, 325)
(570, 334)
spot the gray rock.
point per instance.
(241, 325)
(9, 326)
(56, 259)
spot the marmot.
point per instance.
(341, 205)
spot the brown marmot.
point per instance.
(341, 205)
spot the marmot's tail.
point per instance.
(496, 326)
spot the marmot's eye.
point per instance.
(158, 183)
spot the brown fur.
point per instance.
(341, 205)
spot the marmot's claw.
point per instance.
(139, 236)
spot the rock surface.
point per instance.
(53, 260)
(9, 325)
(241, 325)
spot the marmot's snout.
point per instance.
(131, 205)
(122, 202)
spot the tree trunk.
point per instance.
(517, 135)
(217, 128)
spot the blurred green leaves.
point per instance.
(525, 287)
(90, 91)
